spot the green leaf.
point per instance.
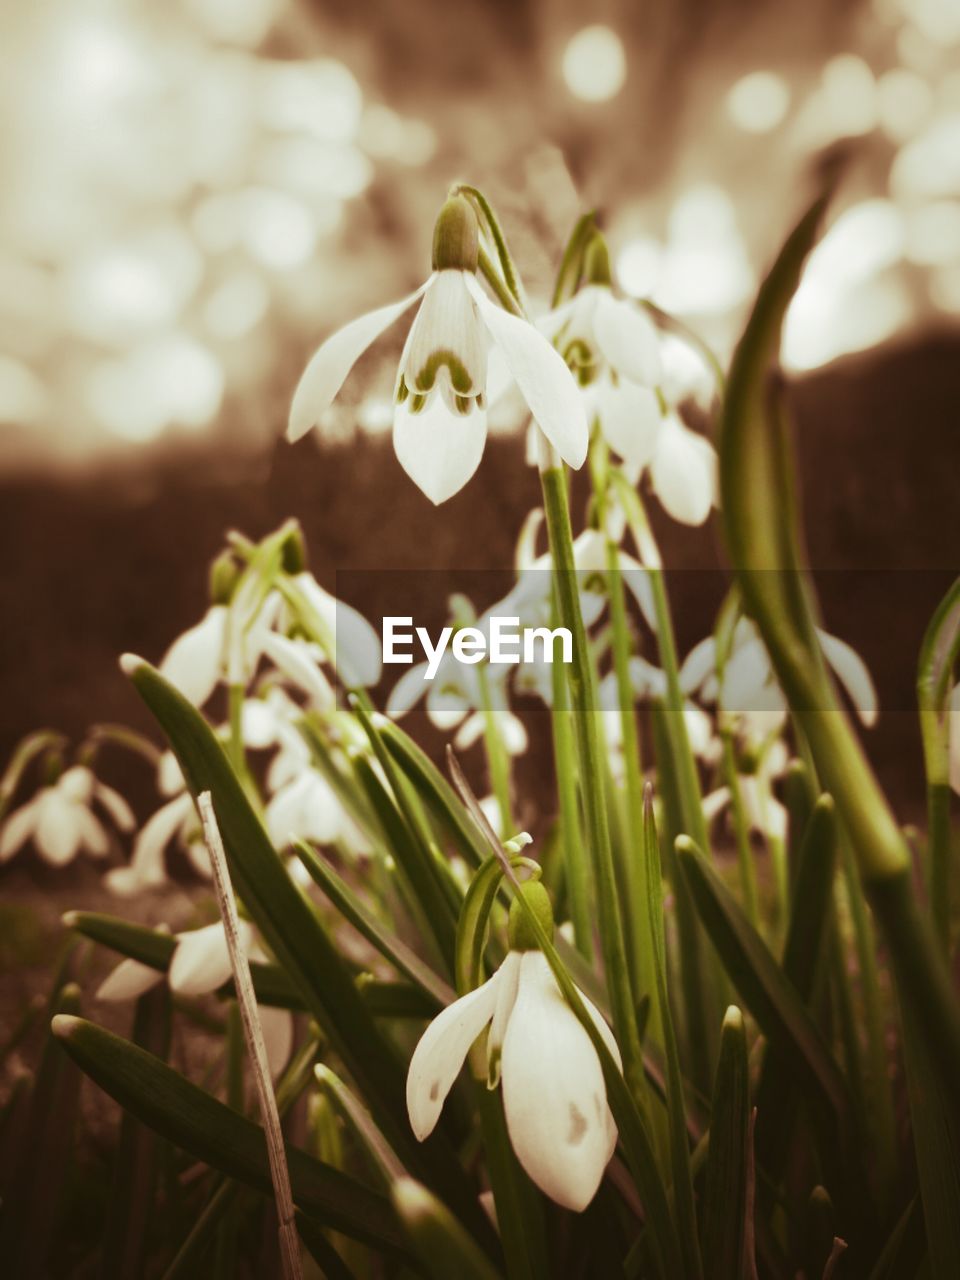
(366, 923)
(780, 1012)
(679, 1141)
(443, 1247)
(809, 918)
(128, 1219)
(725, 1202)
(32, 1197)
(212, 1132)
(434, 790)
(294, 933)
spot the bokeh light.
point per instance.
(595, 64)
(759, 101)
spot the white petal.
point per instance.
(93, 838)
(637, 581)
(353, 644)
(305, 809)
(407, 692)
(201, 962)
(628, 339)
(513, 732)
(293, 659)
(440, 1054)
(630, 420)
(715, 803)
(683, 472)
(18, 828)
(194, 661)
(526, 551)
(57, 834)
(333, 360)
(116, 806)
(506, 998)
(169, 775)
(542, 375)
(438, 447)
(277, 1026)
(447, 328)
(554, 1094)
(76, 784)
(853, 674)
(746, 675)
(129, 980)
(470, 731)
(146, 866)
(703, 744)
(698, 664)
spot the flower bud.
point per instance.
(520, 934)
(456, 237)
(224, 572)
(294, 551)
(596, 262)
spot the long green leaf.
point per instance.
(212, 1132)
(725, 1191)
(780, 1012)
(444, 1248)
(295, 935)
(366, 923)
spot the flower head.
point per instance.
(61, 821)
(440, 421)
(554, 1096)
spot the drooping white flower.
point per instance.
(61, 822)
(351, 643)
(440, 422)
(201, 964)
(554, 1096)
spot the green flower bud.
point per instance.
(294, 552)
(456, 237)
(224, 572)
(520, 933)
(596, 261)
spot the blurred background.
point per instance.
(197, 191)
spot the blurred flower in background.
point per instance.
(195, 190)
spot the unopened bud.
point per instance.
(520, 932)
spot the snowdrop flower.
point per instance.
(61, 822)
(200, 965)
(765, 814)
(649, 683)
(749, 690)
(440, 420)
(554, 1097)
(175, 820)
(350, 642)
(613, 348)
(225, 645)
(453, 701)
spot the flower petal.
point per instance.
(630, 420)
(293, 659)
(554, 1095)
(305, 809)
(18, 828)
(333, 360)
(115, 805)
(542, 375)
(684, 472)
(194, 661)
(699, 663)
(853, 674)
(407, 692)
(201, 962)
(447, 343)
(628, 339)
(57, 833)
(438, 447)
(129, 980)
(506, 999)
(146, 867)
(440, 1054)
(352, 644)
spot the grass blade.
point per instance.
(444, 1248)
(725, 1191)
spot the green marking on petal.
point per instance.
(460, 379)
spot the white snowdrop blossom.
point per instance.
(440, 419)
(175, 820)
(199, 965)
(749, 691)
(554, 1096)
(61, 821)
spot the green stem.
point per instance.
(583, 699)
(939, 842)
(498, 760)
(741, 827)
(571, 835)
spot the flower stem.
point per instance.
(583, 700)
(498, 760)
(571, 834)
